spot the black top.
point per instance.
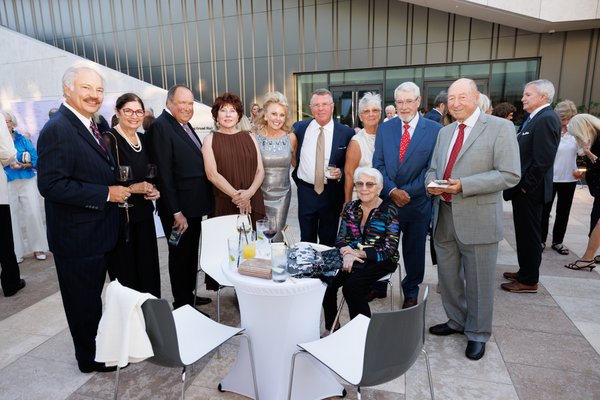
(142, 209)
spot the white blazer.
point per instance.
(7, 156)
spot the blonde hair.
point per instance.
(566, 109)
(584, 128)
(273, 98)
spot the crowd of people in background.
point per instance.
(404, 175)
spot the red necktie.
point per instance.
(404, 142)
(453, 155)
(99, 139)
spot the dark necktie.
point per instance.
(453, 155)
(192, 136)
(99, 139)
(404, 142)
(525, 124)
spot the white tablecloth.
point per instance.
(277, 316)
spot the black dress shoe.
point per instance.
(95, 367)
(376, 295)
(475, 350)
(201, 301)
(409, 302)
(20, 286)
(443, 330)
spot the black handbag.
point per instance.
(332, 260)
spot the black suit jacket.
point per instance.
(181, 177)
(433, 115)
(538, 143)
(73, 176)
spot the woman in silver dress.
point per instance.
(277, 144)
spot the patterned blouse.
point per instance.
(381, 231)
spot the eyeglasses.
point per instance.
(405, 102)
(321, 105)
(366, 112)
(368, 185)
(129, 112)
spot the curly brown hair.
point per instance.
(224, 99)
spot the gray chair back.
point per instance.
(394, 342)
(160, 327)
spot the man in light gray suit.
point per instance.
(478, 156)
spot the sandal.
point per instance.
(597, 259)
(560, 248)
(582, 264)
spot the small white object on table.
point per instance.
(277, 316)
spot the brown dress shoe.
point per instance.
(518, 287)
(409, 302)
(511, 276)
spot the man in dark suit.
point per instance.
(538, 139)
(322, 142)
(403, 149)
(77, 177)
(186, 194)
(440, 105)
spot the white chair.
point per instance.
(369, 352)
(214, 251)
(180, 338)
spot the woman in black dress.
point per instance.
(134, 261)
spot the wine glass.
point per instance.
(125, 178)
(271, 229)
(151, 171)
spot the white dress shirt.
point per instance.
(306, 166)
(470, 123)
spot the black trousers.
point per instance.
(595, 216)
(319, 214)
(10, 275)
(81, 280)
(183, 260)
(527, 217)
(355, 286)
(564, 191)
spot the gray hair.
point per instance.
(390, 107)
(68, 79)
(321, 92)
(369, 99)
(484, 103)
(441, 98)
(10, 116)
(369, 171)
(173, 89)
(407, 87)
(543, 87)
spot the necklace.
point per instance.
(136, 147)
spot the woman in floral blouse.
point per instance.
(368, 241)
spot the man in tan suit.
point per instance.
(479, 157)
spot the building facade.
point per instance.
(251, 47)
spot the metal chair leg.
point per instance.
(391, 293)
(428, 373)
(292, 372)
(115, 395)
(337, 316)
(183, 384)
(249, 343)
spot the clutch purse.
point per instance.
(332, 260)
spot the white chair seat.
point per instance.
(343, 351)
(189, 323)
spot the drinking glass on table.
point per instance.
(125, 178)
(279, 272)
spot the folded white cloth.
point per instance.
(121, 337)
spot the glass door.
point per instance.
(346, 98)
(432, 88)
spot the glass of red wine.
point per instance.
(270, 229)
(125, 178)
(151, 171)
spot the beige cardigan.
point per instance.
(7, 156)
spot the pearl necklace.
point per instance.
(136, 147)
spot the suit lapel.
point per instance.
(477, 130)
(178, 129)
(335, 143)
(416, 139)
(86, 135)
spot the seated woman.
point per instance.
(368, 241)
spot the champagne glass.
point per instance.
(125, 178)
(151, 171)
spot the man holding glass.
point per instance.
(77, 177)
